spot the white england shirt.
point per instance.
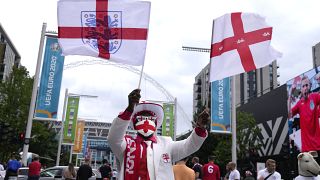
(234, 175)
(264, 173)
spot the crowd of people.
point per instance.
(11, 168)
(85, 171)
(211, 171)
(197, 171)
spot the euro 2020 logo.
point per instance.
(55, 47)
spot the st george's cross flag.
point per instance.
(240, 43)
(111, 29)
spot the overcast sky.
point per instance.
(173, 24)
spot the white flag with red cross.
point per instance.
(240, 43)
(111, 29)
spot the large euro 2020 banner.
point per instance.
(294, 95)
(50, 82)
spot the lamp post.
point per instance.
(67, 95)
(233, 108)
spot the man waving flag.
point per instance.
(240, 43)
(110, 29)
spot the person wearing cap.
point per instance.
(147, 156)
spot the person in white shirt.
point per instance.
(234, 173)
(269, 172)
(2, 171)
(1, 167)
(146, 155)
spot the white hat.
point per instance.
(152, 107)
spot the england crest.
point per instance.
(102, 30)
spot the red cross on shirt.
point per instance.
(165, 157)
(241, 41)
(102, 32)
(145, 126)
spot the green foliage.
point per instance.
(44, 141)
(223, 150)
(212, 140)
(15, 97)
(209, 144)
(247, 134)
(220, 144)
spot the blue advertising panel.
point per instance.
(220, 106)
(85, 143)
(50, 82)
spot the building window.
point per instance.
(252, 84)
(271, 76)
(242, 88)
(2, 39)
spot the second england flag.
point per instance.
(240, 43)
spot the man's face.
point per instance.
(305, 87)
(145, 124)
(228, 167)
(271, 167)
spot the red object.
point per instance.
(309, 122)
(201, 132)
(143, 168)
(125, 115)
(34, 168)
(210, 172)
(118, 33)
(145, 126)
(243, 49)
(21, 136)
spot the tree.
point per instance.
(247, 135)
(248, 140)
(220, 144)
(15, 97)
(44, 140)
(212, 140)
(15, 93)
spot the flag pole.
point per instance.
(141, 75)
(175, 119)
(66, 95)
(33, 98)
(233, 124)
(71, 151)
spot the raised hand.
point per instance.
(203, 119)
(133, 99)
